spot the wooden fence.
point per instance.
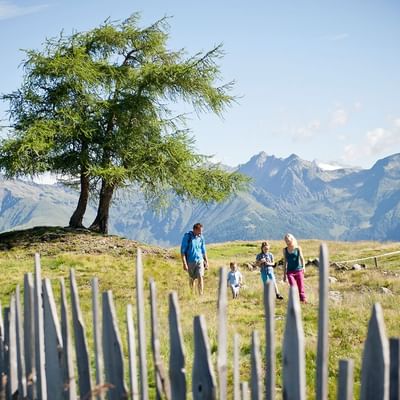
(37, 361)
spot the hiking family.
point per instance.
(195, 262)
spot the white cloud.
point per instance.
(10, 10)
(339, 117)
(357, 106)
(381, 140)
(336, 37)
(396, 123)
(376, 142)
(308, 131)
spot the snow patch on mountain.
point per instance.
(330, 166)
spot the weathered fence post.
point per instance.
(203, 378)
(39, 333)
(22, 391)
(222, 333)
(294, 379)
(5, 377)
(236, 367)
(2, 357)
(177, 372)
(12, 376)
(375, 364)
(269, 309)
(54, 351)
(113, 355)
(141, 326)
(68, 367)
(376, 262)
(394, 347)
(256, 385)
(322, 348)
(134, 388)
(98, 346)
(29, 336)
(161, 378)
(81, 347)
(345, 380)
(244, 390)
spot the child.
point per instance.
(235, 279)
(265, 260)
(294, 267)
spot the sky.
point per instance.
(318, 79)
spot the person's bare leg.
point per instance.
(278, 295)
(191, 284)
(200, 284)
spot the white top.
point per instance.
(234, 277)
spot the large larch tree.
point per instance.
(97, 108)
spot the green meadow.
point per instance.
(349, 313)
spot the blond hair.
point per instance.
(291, 238)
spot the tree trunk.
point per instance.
(100, 224)
(76, 221)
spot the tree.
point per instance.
(96, 107)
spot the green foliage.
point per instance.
(98, 103)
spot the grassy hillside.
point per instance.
(112, 260)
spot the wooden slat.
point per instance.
(98, 346)
(244, 390)
(29, 335)
(81, 347)
(22, 390)
(222, 357)
(345, 380)
(54, 351)
(236, 367)
(269, 309)
(141, 327)
(39, 333)
(294, 379)
(394, 347)
(162, 380)
(322, 347)
(12, 381)
(134, 387)
(177, 372)
(256, 381)
(5, 381)
(113, 354)
(203, 377)
(375, 364)
(68, 366)
(2, 355)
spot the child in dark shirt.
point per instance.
(265, 260)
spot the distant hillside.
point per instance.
(287, 194)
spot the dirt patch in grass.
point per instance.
(48, 240)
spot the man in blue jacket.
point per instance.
(194, 256)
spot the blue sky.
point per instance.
(318, 79)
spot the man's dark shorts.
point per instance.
(196, 269)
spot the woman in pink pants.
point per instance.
(294, 266)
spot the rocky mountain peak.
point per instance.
(284, 194)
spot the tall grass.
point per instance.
(348, 320)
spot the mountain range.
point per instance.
(285, 195)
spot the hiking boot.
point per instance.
(279, 296)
